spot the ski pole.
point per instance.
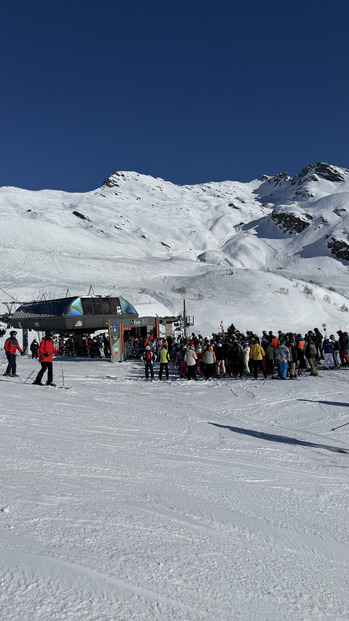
(334, 428)
(29, 376)
(62, 373)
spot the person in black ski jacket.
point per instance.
(300, 346)
(343, 343)
(269, 358)
(220, 360)
(149, 359)
(319, 339)
(34, 348)
(237, 359)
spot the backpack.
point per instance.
(148, 355)
(312, 349)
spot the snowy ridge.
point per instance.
(139, 234)
(178, 501)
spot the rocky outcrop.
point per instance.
(314, 173)
(320, 169)
(339, 248)
(291, 223)
(279, 179)
(113, 180)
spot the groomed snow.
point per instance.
(208, 501)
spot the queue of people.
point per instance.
(281, 355)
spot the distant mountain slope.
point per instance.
(152, 240)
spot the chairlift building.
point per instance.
(73, 315)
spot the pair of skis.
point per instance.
(10, 381)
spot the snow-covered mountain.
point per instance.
(198, 501)
(268, 254)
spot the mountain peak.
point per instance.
(114, 179)
(211, 243)
(323, 170)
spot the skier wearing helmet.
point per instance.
(46, 349)
(11, 346)
(149, 359)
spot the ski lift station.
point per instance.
(84, 315)
(73, 315)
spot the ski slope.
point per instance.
(219, 245)
(201, 501)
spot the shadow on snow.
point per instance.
(283, 439)
(343, 405)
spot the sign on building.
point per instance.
(116, 341)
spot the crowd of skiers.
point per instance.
(80, 346)
(280, 355)
(233, 354)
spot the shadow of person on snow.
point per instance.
(283, 439)
(343, 405)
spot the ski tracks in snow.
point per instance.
(175, 502)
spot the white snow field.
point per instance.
(182, 501)
(248, 253)
(123, 500)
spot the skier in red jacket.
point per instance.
(11, 346)
(46, 349)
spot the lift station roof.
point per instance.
(75, 314)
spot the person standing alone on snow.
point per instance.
(46, 349)
(11, 346)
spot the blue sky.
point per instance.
(189, 91)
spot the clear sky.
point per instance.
(190, 91)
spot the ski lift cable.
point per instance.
(10, 296)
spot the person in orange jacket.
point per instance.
(11, 346)
(46, 349)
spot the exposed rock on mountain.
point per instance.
(290, 223)
(320, 169)
(339, 248)
(233, 246)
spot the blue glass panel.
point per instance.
(75, 308)
(126, 307)
(46, 308)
